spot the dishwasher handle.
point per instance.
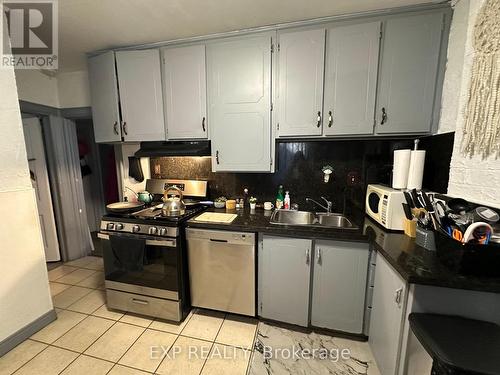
(217, 240)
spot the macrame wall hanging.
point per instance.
(482, 114)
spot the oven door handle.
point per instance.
(167, 243)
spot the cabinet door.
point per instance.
(388, 311)
(339, 285)
(408, 74)
(300, 80)
(104, 97)
(239, 89)
(139, 79)
(351, 79)
(284, 275)
(185, 92)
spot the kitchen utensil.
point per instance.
(459, 206)
(207, 203)
(486, 214)
(407, 210)
(409, 200)
(430, 209)
(145, 197)
(479, 232)
(416, 200)
(124, 206)
(172, 202)
(425, 238)
(457, 234)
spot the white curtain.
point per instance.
(67, 187)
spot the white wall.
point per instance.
(24, 288)
(65, 90)
(471, 178)
(73, 89)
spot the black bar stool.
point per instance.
(457, 345)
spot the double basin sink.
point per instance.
(311, 219)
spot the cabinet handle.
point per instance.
(217, 156)
(384, 116)
(398, 295)
(330, 119)
(308, 256)
(318, 256)
(319, 119)
(124, 127)
(140, 301)
(115, 127)
(203, 123)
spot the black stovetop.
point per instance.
(133, 217)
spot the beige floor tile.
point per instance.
(18, 356)
(141, 354)
(115, 342)
(90, 303)
(122, 370)
(81, 336)
(226, 360)
(60, 272)
(237, 331)
(65, 321)
(85, 365)
(56, 288)
(172, 327)
(81, 262)
(96, 263)
(75, 277)
(204, 325)
(49, 362)
(70, 296)
(137, 320)
(95, 281)
(104, 312)
(186, 357)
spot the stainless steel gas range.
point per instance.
(144, 255)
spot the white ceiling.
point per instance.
(90, 25)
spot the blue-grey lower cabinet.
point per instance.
(338, 272)
(284, 279)
(339, 285)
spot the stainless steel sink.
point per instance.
(311, 219)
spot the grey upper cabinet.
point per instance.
(387, 316)
(352, 54)
(185, 92)
(408, 73)
(300, 82)
(104, 96)
(339, 285)
(284, 274)
(239, 97)
(139, 80)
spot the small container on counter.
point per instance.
(230, 204)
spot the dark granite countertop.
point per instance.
(415, 264)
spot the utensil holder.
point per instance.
(425, 238)
(410, 227)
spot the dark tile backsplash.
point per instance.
(356, 163)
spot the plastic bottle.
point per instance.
(280, 198)
(286, 202)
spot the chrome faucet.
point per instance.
(328, 206)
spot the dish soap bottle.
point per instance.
(280, 198)
(286, 202)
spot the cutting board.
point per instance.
(215, 217)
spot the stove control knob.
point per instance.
(136, 228)
(119, 226)
(153, 230)
(163, 231)
(110, 226)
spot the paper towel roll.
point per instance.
(416, 173)
(400, 169)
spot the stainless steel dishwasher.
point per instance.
(222, 270)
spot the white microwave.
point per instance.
(384, 205)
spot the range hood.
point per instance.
(174, 148)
